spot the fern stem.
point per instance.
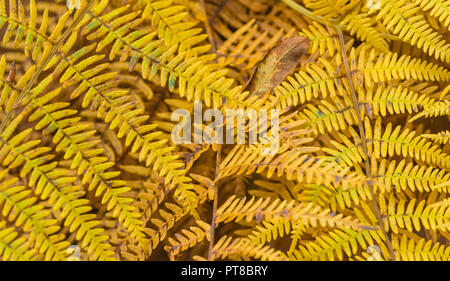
(363, 139)
(208, 28)
(216, 195)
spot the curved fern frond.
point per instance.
(408, 249)
(329, 8)
(188, 239)
(19, 207)
(392, 141)
(53, 184)
(160, 53)
(114, 107)
(407, 175)
(337, 244)
(407, 215)
(244, 248)
(439, 108)
(12, 247)
(372, 68)
(402, 18)
(364, 27)
(440, 9)
(237, 209)
(441, 137)
(37, 42)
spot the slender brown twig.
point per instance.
(216, 195)
(208, 28)
(363, 139)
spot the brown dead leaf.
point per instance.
(277, 64)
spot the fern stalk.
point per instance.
(214, 213)
(363, 139)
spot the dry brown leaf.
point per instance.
(277, 64)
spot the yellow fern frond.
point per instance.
(53, 184)
(440, 9)
(404, 214)
(382, 144)
(188, 239)
(14, 247)
(329, 8)
(364, 27)
(236, 209)
(380, 68)
(244, 248)
(403, 19)
(338, 244)
(407, 175)
(439, 108)
(441, 137)
(419, 250)
(18, 206)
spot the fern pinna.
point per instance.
(87, 159)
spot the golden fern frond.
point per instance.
(299, 166)
(88, 161)
(402, 18)
(372, 68)
(320, 39)
(407, 175)
(407, 249)
(244, 248)
(337, 244)
(327, 80)
(14, 247)
(394, 100)
(329, 8)
(188, 239)
(440, 9)
(36, 40)
(170, 49)
(19, 206)
(247, 46)
(53, 184)
(269, 231)
(382, 144)
(237, 209)
(338, 113)
(114, 107)
(364, 27)
(438, 108)
(441, 137)
(304, 85)
(55, 118)
(404, 214)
